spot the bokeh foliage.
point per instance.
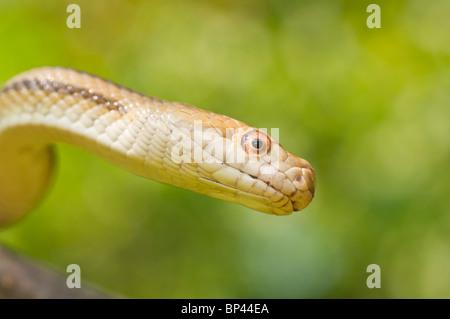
(368, 108)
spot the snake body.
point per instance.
(150, 137)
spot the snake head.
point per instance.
(245, 165)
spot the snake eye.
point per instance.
(255, 143)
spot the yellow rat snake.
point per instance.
(174, 143)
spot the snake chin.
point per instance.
(261, 203)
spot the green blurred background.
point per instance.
(368, 108)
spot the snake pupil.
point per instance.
(257, 143)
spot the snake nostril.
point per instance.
(300, 183)
(293, 173)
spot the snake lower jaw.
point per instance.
(284, 206)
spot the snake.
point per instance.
(171, 142)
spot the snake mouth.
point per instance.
(277, 204)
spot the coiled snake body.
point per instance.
(170, 142)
